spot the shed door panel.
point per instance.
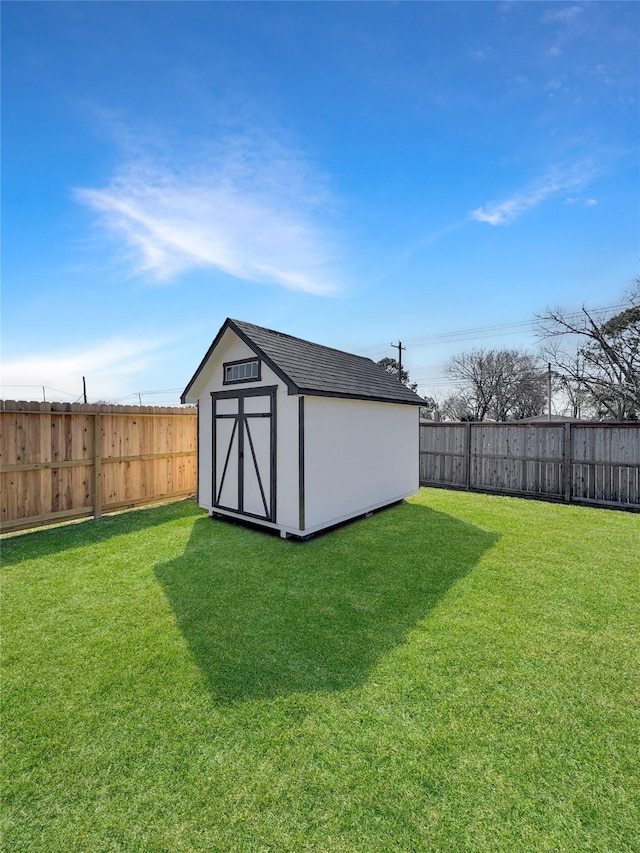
(244, 452)
(257, 465)
(258, 404)
(227, 406)
(226, 463)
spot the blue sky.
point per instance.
(351, 173)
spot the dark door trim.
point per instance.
(241, 427)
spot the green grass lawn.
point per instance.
(456, 674)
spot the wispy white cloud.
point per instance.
(110, 368)
(554, 85)
(252, 208)
(586, 202)
(561, 15)
(555, 182)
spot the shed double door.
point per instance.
(244, 452)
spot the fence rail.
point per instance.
(60, 461)
(582, 462)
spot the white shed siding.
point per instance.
(358, 455)
(204, 453)
(287, 455)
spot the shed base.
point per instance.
(286, 532)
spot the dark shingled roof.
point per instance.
(309, 368)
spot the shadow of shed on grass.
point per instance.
(265, 617)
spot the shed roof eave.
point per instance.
(344, 395)
(185, 396)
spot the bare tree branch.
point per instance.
(496, 384)
(601, 363)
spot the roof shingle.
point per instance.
(312, 368)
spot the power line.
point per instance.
(459, 335)
(454, 339)
(480, 332)
(443, 381)
(41, 386)
(150, 393)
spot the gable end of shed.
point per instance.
(246, 339)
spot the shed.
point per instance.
(297, 436)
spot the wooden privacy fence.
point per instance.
(60, 461)
(585, 462)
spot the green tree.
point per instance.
(390, 365)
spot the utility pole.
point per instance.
(400, 348)
(84, 390)
(549, 388)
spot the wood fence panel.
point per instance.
(519, 458)
(442, 454)
(61, 461)
(592, 463)
(606, 463)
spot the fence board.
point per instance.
(454, 459)
(585, 462)
(60, 461)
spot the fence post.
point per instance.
(467, 434)
(567, 461)
(97, 465)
